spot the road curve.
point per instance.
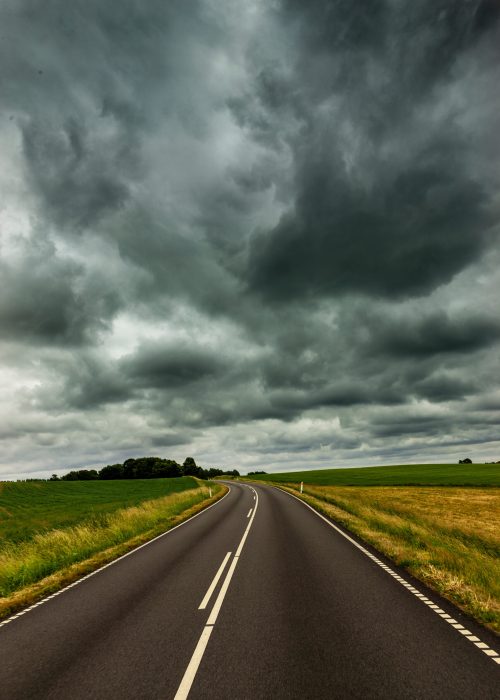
(295, 610)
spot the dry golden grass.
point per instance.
(31, 570)
(447, 537)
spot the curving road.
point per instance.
(291, 608)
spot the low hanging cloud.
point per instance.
(51, 298)
(174, 366)
(434, 334)
(262, 233)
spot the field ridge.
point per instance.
(393, 475)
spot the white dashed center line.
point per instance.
(192, 668)
(215, 581)
(111, 563)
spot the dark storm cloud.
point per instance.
(247, 227)
(442, 387)
(432, 335)
(410, 425)
(88, 85)
(390, 241)
(372, 354)
(77, 141)
(48, 298)
(303, 444)
(371, 207)
(37, 296)
(384, 200)
(489, 403)
(83, 381)
(168, 440)
(93, 87)
(176, 266)
(171, 366)
(78, 181)
(442, 428)
(288, 404)
(158, 371)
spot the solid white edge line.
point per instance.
(111, 563)
(215, 581)
(190, 673)
(491, 653)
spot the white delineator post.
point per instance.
(210, 491)
(301, 486)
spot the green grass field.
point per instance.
(398, 475)
(54, 532)
(30, 508)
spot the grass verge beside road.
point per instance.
(447, 537)
(32, 568)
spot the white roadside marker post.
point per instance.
(301, 486)
(210, 491)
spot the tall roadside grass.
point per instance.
(447, 537)
(50, 559)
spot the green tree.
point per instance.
(189, 468)
(111, 471)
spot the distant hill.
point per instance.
(395, 475)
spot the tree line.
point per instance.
(145, 468)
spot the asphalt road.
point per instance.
(298, 611)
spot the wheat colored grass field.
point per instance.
(447, 537)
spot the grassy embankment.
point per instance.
(51, 533)
(444, 527)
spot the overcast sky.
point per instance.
(262, 233)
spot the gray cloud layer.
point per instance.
(264, 233)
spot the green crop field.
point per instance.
(30, 508)
(398, 475)
(53, 532)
